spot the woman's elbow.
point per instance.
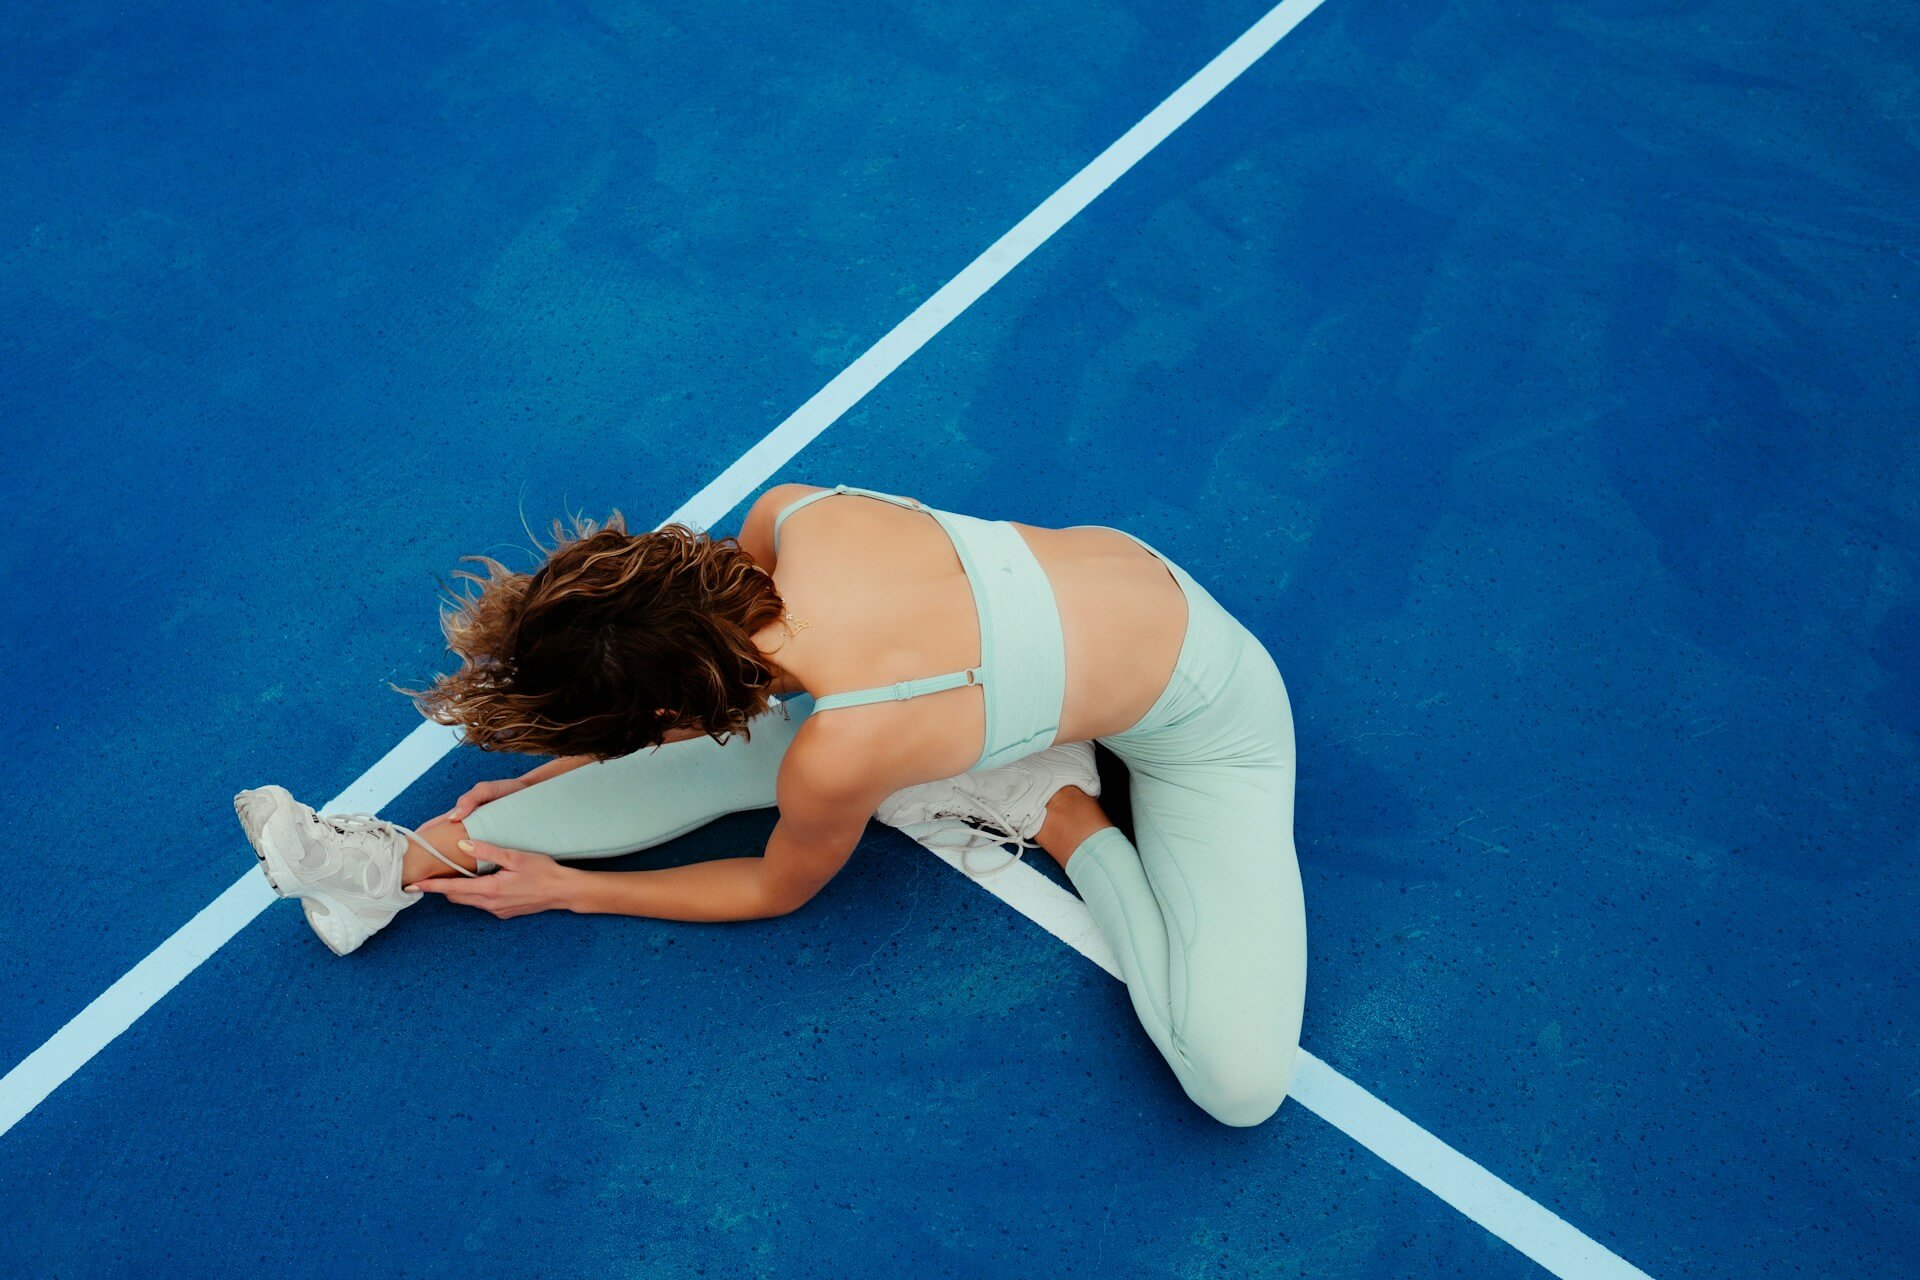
(783, 898)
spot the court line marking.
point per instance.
(1495, 1205)
(1527, 1225)
(1002, 256)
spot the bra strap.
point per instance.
(804, 500)
(900, 692)
(809, 498)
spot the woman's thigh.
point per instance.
(1212, 779)
(1216, 843)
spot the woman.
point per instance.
(945, 657)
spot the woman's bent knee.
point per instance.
(1241, 1091)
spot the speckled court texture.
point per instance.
(1538, 381)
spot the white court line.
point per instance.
(139, 988)
(1002, 256)
(1529, 1227)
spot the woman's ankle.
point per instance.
(1072, 816)
(444, 836)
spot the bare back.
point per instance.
(884, 598)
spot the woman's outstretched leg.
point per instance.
(641, 800)
(352, 873)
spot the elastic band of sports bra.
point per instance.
(901, 691)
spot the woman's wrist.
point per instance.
(578, 893)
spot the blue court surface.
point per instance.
(1538, 381)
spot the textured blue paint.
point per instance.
(1538, 382)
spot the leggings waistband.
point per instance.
(1221, 675)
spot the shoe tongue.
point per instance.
(396, 838)
(374, 832)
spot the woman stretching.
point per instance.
(943, 657)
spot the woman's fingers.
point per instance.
(525, 882)
(475, 892)
(505, 858)
(484, 893)
(482, 793)
(466, 805)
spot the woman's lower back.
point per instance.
(1123, 617)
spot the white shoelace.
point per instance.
(349, 824)
(999, 835)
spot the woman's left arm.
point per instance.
(526, 883)
(722, 889)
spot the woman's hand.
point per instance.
(525, 883)
(478, 794)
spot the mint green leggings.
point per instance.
(1205, 914)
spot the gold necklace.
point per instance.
(793, 625)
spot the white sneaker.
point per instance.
(344, 867)
(1005, 806)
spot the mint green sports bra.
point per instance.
(1022, 653)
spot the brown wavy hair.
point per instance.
(615, 640)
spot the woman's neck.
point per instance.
(772, 640)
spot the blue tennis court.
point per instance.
(1537, 382)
